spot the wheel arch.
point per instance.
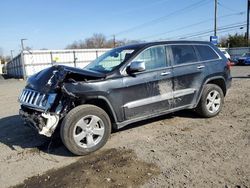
(219, 81)
(104, 104)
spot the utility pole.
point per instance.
(23, 63)
(11, 52)
(247, 34)
(22, 44)
(114, 43)
(215, 17)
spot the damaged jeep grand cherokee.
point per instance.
(125, 85)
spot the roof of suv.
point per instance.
(146, 44)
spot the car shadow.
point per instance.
(4, 77)
(241, 77)
(14, 133)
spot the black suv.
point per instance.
(125, 85)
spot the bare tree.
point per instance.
(223, 41)
(74, 45)
(27, 48)
(89, 43)
(2, 58)
(99, 40)
(1, 52)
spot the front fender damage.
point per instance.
(44, 122)
(66, 83)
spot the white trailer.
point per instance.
(30, 62)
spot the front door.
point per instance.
(149, 92)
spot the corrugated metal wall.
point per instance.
(14, 67)
(36, 60)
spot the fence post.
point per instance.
(74, 54)
(23, 65)
(96, 53)
(51, 58)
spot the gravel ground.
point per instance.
(176, 150)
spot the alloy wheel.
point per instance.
(88, 131)
(213, 101)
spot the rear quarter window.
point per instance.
(206, 53)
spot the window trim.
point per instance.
(219, 57)
(169, 55)
(168, 64)
(196, 51)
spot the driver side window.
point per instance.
(154, 57)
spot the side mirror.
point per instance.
(136, 66)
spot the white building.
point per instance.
(30, 62)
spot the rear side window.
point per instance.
(206, 53)
(183, 54)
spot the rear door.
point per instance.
(188, 73)
(149, 92)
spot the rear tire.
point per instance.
(211, 101)
(85, 129)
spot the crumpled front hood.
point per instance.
(50, 79)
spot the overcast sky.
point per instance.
(54, 24)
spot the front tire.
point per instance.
(211, 101)
(85, 129)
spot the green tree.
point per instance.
(236, 40)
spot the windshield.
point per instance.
(110, 60)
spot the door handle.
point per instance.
(165, 73)
(201, 67)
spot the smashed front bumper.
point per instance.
(35, 109)
(44, 123)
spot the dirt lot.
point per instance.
(177, 150)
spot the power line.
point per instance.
(235, 25)
(211, 31)
(164, 18)
(226, 7)
(222, 31)
(194, 24)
